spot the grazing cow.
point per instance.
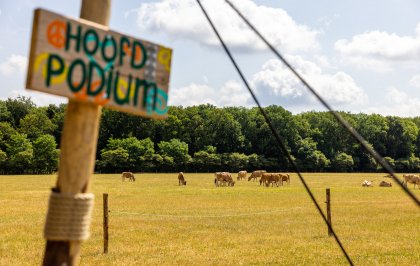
(270, 178)
(242, 175)
(284, 177)
(385, 184)
(256, 174)
(128, 175)
(264, 178)
(367, 183)
(223, 178)
(274, 178)
(181, 179)
(410, 178)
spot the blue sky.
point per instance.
(362, 56)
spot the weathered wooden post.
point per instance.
(328, 202)
(78, 147)
(105, 195)
(94, 67)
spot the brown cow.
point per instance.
(284, 177)
(385, 184)
(274, 178)
(128, 175)
(181, 179)
(223, 178)
(410, 178)
(264, 178)
(256, 174)
(242, 175)
(270, 178)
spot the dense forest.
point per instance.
(206, 138)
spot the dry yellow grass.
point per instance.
(155, 222)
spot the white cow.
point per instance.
(367, 183)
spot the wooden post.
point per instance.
(105, 222)
(78, 148)
(328, 202)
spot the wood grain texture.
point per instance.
(78, 149)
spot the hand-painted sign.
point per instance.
(87, 62)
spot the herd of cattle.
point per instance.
(407, 178)
(225, 179)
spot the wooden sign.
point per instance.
(87, 62)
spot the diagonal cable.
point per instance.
(277, 137)
(337, 116)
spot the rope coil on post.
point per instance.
(69, 217)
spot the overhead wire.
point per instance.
(336, 115)
(276, 135)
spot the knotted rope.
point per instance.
(69, 216)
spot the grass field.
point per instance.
(155, 222)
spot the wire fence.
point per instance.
(248, 213)
(199, 216)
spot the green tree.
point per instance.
(45, 154)
(363, 161)
(401, 137)
(119, 125)
(235, 161)
(374, 128)
(205, 161)
(309, 158)
(36, 124)
(5, 115)
(6, 131)
(56, 115)
(414, 164)
(3, 159)
(115, 160)
(223, 131)
(390, 161)
(20, 152)
(329, 135)
(343, 162)
(19, 108)
(139, 151)
(402, 165)
(177, 150)
(255, 161)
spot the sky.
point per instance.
(361, 56)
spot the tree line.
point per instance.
(205, 138)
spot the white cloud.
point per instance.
(183, 19)
(415, 81)
(230, 94)
(14, 64)
(397, 103)
(277, 85)
(379, 50)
